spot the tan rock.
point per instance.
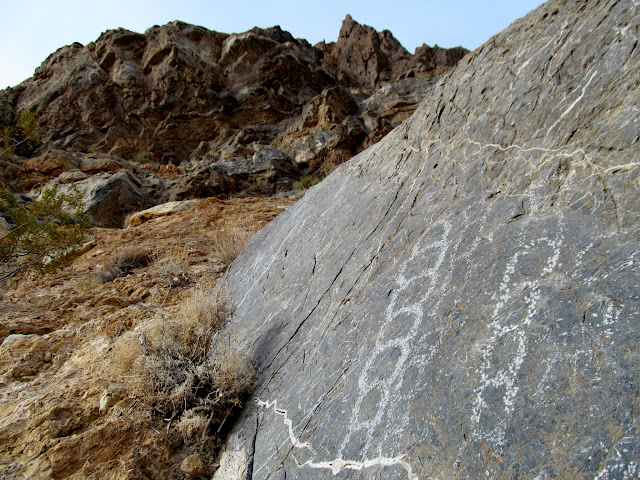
(169, 208)
(102, 163)
(53, 162)
(232, 465)
(112, 396)
(193, 466)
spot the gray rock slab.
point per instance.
(462, 300)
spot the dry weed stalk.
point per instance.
(172, 260)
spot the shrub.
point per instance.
(23, 137)
(125, 263)
(44, 233)
(306, 182)
(188, 371)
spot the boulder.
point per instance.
(461, 299)
(110, 197)
(162, 210)
(204, 182)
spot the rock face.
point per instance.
(462, 299)
(181, 92)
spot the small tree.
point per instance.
(24, 134)
(43, 233)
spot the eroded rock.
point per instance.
(181, 93)
(161, 210)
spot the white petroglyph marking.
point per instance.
(338, 464)
(506, 378)
(287, 421)
(610, 317)
(384, 342)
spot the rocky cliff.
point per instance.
(181, 92)
(461, 300)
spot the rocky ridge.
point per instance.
(181, 92)
(461, 300)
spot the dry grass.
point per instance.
(228, 244)
(186, 368)
(172, 260)
(125, 262)
(86, 283)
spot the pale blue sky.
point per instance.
(31, 30)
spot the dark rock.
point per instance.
(205, 182)
(332, 106)
(398, 100)
(268, 172)
(367, 59)
(461, 300)
(181, 93)
(111, 197)
(357, 58)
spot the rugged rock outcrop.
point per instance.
(461, 300)
(181, 92)
(367, 59)
(111, 187)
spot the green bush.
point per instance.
(24, 135)
(42, 234)
(306, 182)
